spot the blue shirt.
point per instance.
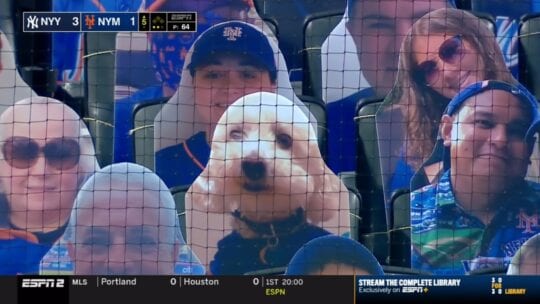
(22, 251)
(19, 255)
(447, 240)
(342, 132)
(181, 164)
(401, 178)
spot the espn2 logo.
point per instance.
(42, 283)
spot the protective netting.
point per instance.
(410, 140)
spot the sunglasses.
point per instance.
(23, 152)
(451, 51)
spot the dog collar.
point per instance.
(272, 231)
(276, 228)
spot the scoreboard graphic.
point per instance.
(110, 22)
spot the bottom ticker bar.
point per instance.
(269, 289)
(203, 289)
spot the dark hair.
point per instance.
(321, 251)
(246, 59)
(351, 4)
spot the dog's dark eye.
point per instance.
(284, 140)
(236, 134)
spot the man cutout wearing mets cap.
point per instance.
(228, 61)
(482, 208)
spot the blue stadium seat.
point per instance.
(12, 86)
(134, 69)
(355, 201)
(99, 83)
(507, 16)
(488, 19)
(317, 27)
(373, 229)
(288, 17)
(318, 110)
(514, 9)
(134, 130)
(529, 53)
(529, 71)
(463, 4)
(134, 117)
(400, 231)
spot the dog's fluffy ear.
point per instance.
(330, 195)
(207, 192)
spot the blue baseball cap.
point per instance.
(320, 251)
(474, 89)
(234, 37)
(518, 90)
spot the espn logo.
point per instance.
(42, 283)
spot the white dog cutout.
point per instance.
(265, 191)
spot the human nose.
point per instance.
(499, 136)
(119, 260)
(229, 87)
(401, 30)
(117, 253)
(40, 167)
(236, 87)
(403, 26)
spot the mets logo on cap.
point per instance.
(232, 33)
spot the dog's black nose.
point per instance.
(254, 170)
